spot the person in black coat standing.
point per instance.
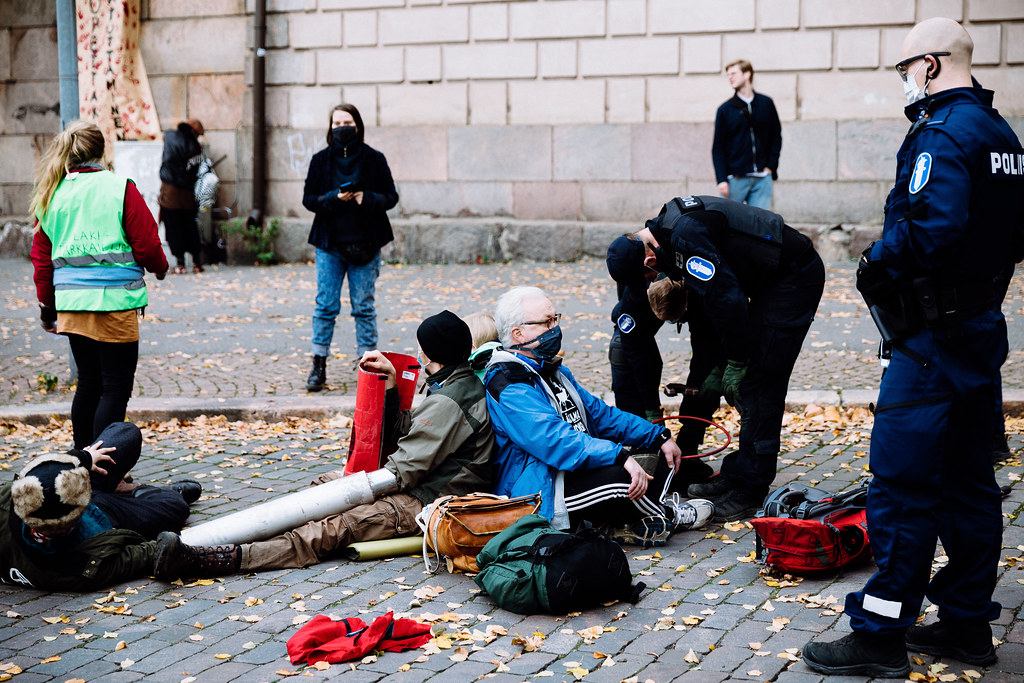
(748, 140)
(349, 189)
(179, 169)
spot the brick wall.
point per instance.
(538, 109)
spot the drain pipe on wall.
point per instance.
(67, 62)
(259, 118)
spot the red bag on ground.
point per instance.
(326, 640)
(803, 530)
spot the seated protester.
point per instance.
(557, 439)
(70, 523)
(445, 447)
(485, 341)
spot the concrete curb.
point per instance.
(278, 408)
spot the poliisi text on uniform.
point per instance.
(1007, 163)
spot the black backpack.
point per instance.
(531, 567)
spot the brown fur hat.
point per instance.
(51, 494)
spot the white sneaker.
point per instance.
(687, 514)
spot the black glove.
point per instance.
(48, 316)
(873, 279)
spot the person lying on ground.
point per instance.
(71, 523)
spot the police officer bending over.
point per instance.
(935, 282)
(759, 281)
(636, 360)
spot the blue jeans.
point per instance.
(362, 280)
(752, 190)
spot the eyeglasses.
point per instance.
(548, 322)
(901, 67)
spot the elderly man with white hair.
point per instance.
(557, 439)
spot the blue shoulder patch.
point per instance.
(626, 323)
(922, 170)
(700, 268)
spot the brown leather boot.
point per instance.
(174, 559)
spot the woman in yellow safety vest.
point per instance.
(94, 238)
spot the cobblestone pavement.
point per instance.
(707, 615)
(234, 333)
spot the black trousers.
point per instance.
(778, 322)
(151, 509)
(182, 232)
(106, 376)
(599, 495)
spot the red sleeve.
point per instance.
(42, 248)
(141, 231)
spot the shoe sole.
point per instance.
(956, 653)
(746, 513)
(875, 670)
(316, 387)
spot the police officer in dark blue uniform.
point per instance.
(934, 284)
(636, 364)
(759, 282)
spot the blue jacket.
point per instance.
(337, 222)
(535, 443)
(734, 151)
(955, 211)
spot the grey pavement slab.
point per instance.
(235, 340)
(704, 594)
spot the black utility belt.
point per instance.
(923, 302)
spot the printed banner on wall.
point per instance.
(112, 85)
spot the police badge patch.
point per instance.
(922, 169)
(625, 322)
(700, 268)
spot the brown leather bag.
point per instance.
(458, 527)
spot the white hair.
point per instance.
(508, 312)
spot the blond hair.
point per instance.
(79, 143)
(481, 327)
(745, 67)
(668, 299)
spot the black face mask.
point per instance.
(549, 343)
(344, 136)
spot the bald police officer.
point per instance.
(935, 282)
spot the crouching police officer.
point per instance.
(934, 283)
(759, 282)
(636, 360)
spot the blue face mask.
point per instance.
(548, 345)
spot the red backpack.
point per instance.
(802, 530)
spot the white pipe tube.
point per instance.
(291, 511)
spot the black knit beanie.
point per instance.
(445, 338)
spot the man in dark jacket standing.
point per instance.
(748, 140)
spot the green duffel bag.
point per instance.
(531, 567)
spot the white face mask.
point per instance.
(910, 89)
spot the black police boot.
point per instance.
(189, 489)
(175, 560)
(967, 641)
(859, 654)
(736, 504)
(1000, 447)
(318, 375)
(713, 487)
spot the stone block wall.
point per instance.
(534, 110)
